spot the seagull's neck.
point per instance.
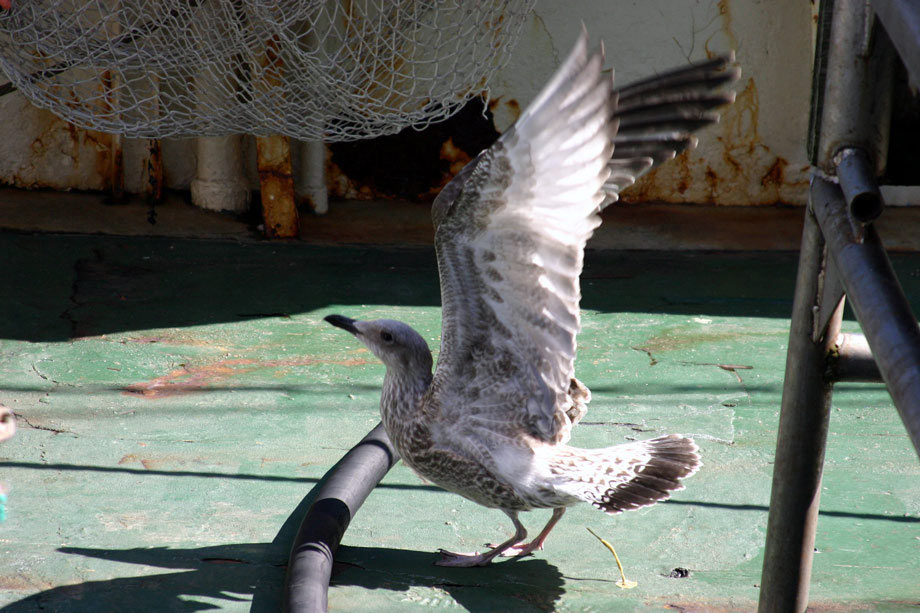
(402, 394)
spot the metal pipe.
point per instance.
(877, 299)
(801, 439)
(219, 184)
(857, 180)
(853, 360)
(336, 499)
(855, 105)
(312, 188)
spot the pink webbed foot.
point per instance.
(520, 550)
(463, 560)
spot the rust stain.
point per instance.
(192, 379)
(128, 457)
(680, 338)
(276, 177)
(116, 168)
(643, 190)
(505, 111)
(158, 462)
(25, 583)
(338, 183)
(677, 176)
(740, 134)
(145, 462)
(725, 12)
(276, 181)
(712, 180)
(154, 169)
(116, 172)
(683, 163)
(775, 174)
(456, 158)
(169, 339)
(88, 153)
(739, 168)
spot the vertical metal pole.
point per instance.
(801, 438)
(856, 102)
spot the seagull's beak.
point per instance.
(345, 323)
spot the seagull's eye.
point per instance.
(387, 337)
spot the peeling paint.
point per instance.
(505, 111)
(276, 182)
(51, 153)
(276, 174)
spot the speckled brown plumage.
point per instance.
(493, 422)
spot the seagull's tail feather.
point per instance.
(625, 477)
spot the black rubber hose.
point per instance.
(336, 499)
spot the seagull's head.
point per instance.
(401, 348)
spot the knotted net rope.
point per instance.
(333, 70)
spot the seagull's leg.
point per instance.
(525, 549)
(449, 558)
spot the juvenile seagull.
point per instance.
(493, 422)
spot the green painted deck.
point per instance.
(178, 398)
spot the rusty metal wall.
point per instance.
(755, 156)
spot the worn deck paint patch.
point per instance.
(192, 379)
(165, 440)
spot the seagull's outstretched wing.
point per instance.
(657, 117)
(511, 232)
(510, 244)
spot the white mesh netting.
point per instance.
(333, 70)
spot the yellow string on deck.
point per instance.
(623, 583)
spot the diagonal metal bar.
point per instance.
(877, 299)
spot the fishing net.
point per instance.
(333, 70)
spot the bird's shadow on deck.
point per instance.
(530, 584)
(218, 576)
(208, 578)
